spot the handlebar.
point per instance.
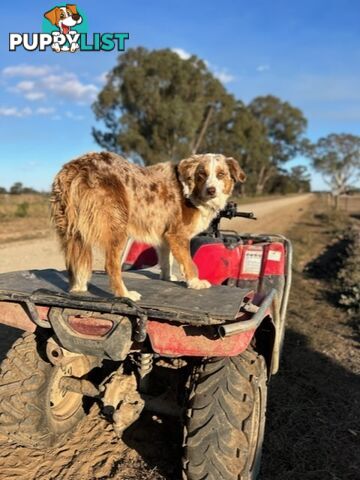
(249, 215)
(230, 211)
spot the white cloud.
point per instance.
(49, 80)
(25, 112)
(220, 73)
(33, 96)
(24, 70)
(183, 54)
(223, 76)
(45, 110)
(73, 116)
(25, 85)
(69, 86)
(262, 68)
(15, 112)
(28, 89)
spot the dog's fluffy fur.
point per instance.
(101, 198)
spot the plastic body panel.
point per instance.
(257, 266)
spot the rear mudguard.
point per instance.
(185, 340)
(168, 339)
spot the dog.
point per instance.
(64, 18)
(101, 198)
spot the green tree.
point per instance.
(300, 178)
(3, 190)
(155, 105)
(16, 188)
(337, 158)
(285, 127)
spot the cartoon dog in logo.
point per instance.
(64, 18)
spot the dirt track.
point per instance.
(275, 216)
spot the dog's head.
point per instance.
(64, 17)
(209, 179)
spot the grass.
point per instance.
(34, 206)
(24, 217)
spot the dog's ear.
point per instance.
(72, 8)
(236, 172)
(186, 170)
(53, 15)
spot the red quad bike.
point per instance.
(205, 356)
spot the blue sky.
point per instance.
(306, 52)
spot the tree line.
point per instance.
(18, 188)
(156, 106)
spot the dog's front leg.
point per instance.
(166, 261)
(56, 47)
(74, 47)
(180, 247)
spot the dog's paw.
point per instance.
(198, 284)
(78, 291)
(56, 47)
(74, 47)
(133, 295)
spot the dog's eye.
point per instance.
(62, 15)
(220, 175)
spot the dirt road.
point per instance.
(276, 216)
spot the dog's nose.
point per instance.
(211, 191)
(75, 16)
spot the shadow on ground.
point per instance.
(313, 418)
(326, 265)
(8, 336)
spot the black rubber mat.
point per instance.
(160, 299)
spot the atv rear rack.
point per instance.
(170, 301)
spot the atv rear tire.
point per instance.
(34, 410)
(226, 418)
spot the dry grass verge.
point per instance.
(23, 217)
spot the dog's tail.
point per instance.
(65, 202)
(75, 212)
(64, 214)
(58, 205)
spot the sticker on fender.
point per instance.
(252, 262)
(274, 255)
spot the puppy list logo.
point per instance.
(64, 29)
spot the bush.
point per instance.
(349, 274)
(22, 210)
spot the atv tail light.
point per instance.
(90, 326)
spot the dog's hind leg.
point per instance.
(78, 259)
(113, 255)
